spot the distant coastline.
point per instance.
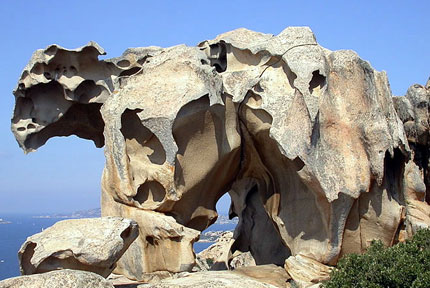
(92, 213)
(205, 237)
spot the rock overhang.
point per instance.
(297, 134)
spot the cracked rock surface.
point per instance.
(306, 141)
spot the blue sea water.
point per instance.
(13, 235)
(200, 246)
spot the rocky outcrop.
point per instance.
(413, 110)
(162, 245)
(265, 276)
(218, 256)
(306, 271)
(58, 279)
(93, 245)
(219, 251)
(306, 141)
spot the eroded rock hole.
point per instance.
(73, 70)
(37, 69)
(86, 91)
(26, 257)
(317, 80)
(143, 60)
(223, 224)
(255, 223)
(123, 63)
(150, 240)
(130, 72)
(218, 56)
(141, 143)
(24, 109)
(126, 233)
(47, 75)
(150, 191)
(82, 120)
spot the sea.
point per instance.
(13, 235)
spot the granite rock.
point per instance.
(94, 245)
(58, 279)
(306, 141)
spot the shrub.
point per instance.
(403, 265)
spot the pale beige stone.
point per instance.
(220, 257)
(162, 245)
(58, 279)
(242, 259)
(306, 271)
(259, 276)
(93, 244)
(306, 141)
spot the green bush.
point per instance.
(403, 265)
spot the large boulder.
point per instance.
(93, 245)
(306, 141)
(58, 279)
(264, 276)
(306, 271)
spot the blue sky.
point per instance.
(64, 175)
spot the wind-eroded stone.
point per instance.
(162, 245)
(306, 141)
(264, 276)
(306, 271)
(58, 279)
(93, 245)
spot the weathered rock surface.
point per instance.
(306, 271)
(58, 279)
(242, 259)
(266, 276)
(413, 110)
(306, 141)
(120, 281)
(93, 245)
(219, 251)
(162, 245)
(218, 256)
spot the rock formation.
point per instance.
(263, 276)
(93, 245)
(58, 279)
(413, 110)
(218, 255)
(306, 271)
(306, 141)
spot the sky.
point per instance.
(64, 175)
